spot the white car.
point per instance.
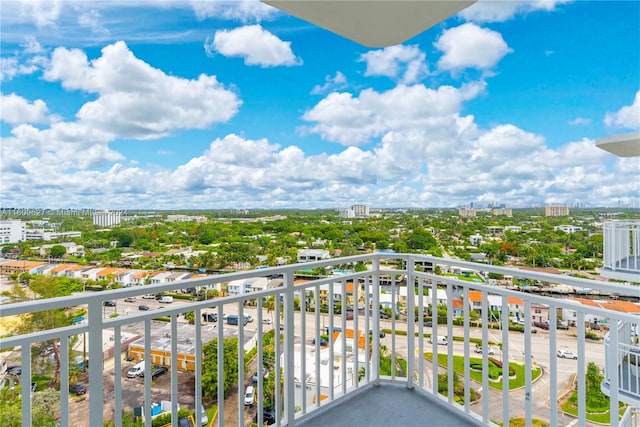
(566, 354)
(490, 350)
(266, 321)
(249, 395)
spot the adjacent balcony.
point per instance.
(327, 353)
(621, 250)
(622, 362)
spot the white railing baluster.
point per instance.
(467, 354)
(528, 365)
(450, 371)
(582, 394)
(117, 339)
(504, 317)
(553, 363)
(147, 372)
(411, 339)
(484, 315)
(220, 363)
(63, 353)
(197, 369)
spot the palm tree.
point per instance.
(270, 305)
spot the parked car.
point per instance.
(349, 315)
(562, 325)
(323, 341)
(267, 321)
(382, 334)
(130, 299)
(14, 370)
(210, 317)
(428, 323)
(268, 416)
(109, 303)
(77, 389)
(148, 296)
(156, 371)
(249, 395)
(566, 354)
(265, 372)
(542, 325)
(143, 307)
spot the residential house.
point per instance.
(71, 248)
(539, 312)
(159, 277)
(9, 267)
(308, 255)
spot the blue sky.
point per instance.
(220, 104)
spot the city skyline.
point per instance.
(209, 105)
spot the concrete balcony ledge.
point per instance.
(388, 404)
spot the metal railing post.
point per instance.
(96, 398)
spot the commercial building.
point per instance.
(12, 231)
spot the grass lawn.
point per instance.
(520, 422)
(598, 415)
(458, 367)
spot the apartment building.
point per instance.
(556, 210)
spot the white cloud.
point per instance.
(349, 120)
(9, 68)
(446, 165)
(136, 100)
(43, 13)
(243, 10)
(93, 20)
(404, 62)
(21, 64)
(578, 121)
(337, 82)
(500, 11)
(15, 109)
(256, 45)
(32, 46)
(627, 117)
(470, 46)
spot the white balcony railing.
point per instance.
(314, 377)
(621, 250)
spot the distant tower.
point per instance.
(107, 218)
(556, 210)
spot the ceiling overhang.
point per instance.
(373, 23)
(622, 145)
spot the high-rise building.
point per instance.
(502, 211)
(467, 212)
(355, 211)
(556, 210)
(106, 218)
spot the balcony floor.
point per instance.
(389, 405)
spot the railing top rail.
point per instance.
(73, 300)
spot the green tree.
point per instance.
(57, 251)
(421, 239)
(210, 366)
(48, 287)
(43, 406)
